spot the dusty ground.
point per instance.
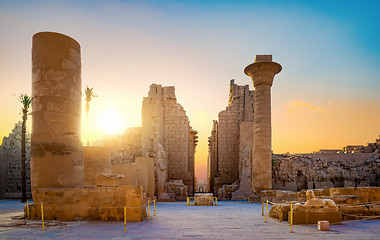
(228, 220)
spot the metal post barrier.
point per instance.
(27, 208)
(148, 209)
(281, 210)
(188, 201)
(266, 211)
(291, 218)
(42, 217)
(125, 219)
(216, 201)
(154, 207)
(262, 209)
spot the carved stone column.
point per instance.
(57, 154)
(262, 72)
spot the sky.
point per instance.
(327, 95)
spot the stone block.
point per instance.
(263, 58)
(361, 192)
(374, 210)
(323, 226)
(203, 199)
(96, 160)
(312, 217)
(107, 180)
(96, 203)
(278, 196)
(374, 194)
(345, 199)
(279, 212)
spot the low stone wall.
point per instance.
(89, 203)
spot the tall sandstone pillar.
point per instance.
(262, 72)
(57, 154)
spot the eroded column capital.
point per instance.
(262, 73)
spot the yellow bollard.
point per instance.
(262, 209)
(125, 219)
(42, 217)
(187, 201)
(216, 201)
(154, 207)
(281, 211)
(291, 218)
(148, 209)
(266, 211)
(27, 208)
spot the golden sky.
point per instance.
(327, 95)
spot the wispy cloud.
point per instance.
(297, 106)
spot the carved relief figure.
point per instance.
(245, 176)
(162, 171)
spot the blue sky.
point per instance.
(326, 96)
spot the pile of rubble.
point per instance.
(296, 172)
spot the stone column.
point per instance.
(262, 72)
(57, 154)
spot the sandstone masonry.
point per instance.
(225, 142)
(164, 121)
(10, 164)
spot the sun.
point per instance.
(111, 122)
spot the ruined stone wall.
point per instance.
(176, 145)
(212, 167)
(296, 172)
(11, 163)
(124, 148)
(193, 140)
(225, 139)
(164, 121)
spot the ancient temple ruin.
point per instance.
(230, 135)
(10, 164)
(68, 188)
(245, 125)
(164, 123)
(166, 137)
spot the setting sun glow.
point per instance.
(111, 122)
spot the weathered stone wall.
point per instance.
(90, 203)
(177, 138)
(125, 147)
(224, 143)
(10, 169)
(164, 121)
(296, 172)
(212, 160)
(96, 160)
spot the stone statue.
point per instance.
(245, 186)
(245, 175)
(162, 171)
(312, 201)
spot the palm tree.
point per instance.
(89, 95)
(25, 100)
